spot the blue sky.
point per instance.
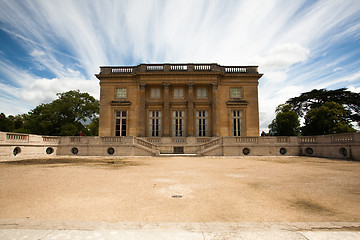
(51, 46)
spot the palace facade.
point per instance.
(179, 100)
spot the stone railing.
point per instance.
(343, 138)
(203, 139)
(246, 139)
(17, 137)
(122, 70)
(111, 139)
(235, 69)
(215, 142)
(154, 139)
(178, 140)
(75, 139)
(145, 143)
(307, 140)
(51, 139)
(282, 139)
(143, 68)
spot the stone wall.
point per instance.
(15, 146)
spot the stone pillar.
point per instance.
(214, 129)
(190, 110)
(142, 111)
(166, 120)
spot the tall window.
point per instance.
(121, 93)
(178, 123)
(179, 92)
(202, 123)
(201, 92)
(155, 123)
(236, 92)
(236, 123)
(154, 92)
(120, 123)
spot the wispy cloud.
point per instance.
(299, 45)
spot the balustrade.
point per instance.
(154, 140)
(122, 70)
(111, 139)
(307, 139)
(145, 143)
(235, 69)
(51, 139)
(17, 137)
(343, 138)
(282, 139)
(210, 144)
(75, 139)
(178, 67)
(202, 67)
(154, 68)
(178, 140)
(247, 139)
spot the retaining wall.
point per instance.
(340, 146)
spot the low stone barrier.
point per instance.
(339, 146)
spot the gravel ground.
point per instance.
(179, 189)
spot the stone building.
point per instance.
(179, 100)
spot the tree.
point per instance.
(286, 122)
(93, 127)
(64, 116)
(6, 125)
(329, 118)
(317, 97)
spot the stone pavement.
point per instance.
(46, 230)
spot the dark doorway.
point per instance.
(178, 149)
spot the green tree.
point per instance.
(64, 116)
(286, 122)
(93, 127)
(316, 98)
(6, 125)
(329, 118)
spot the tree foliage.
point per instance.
(329, 118)
(286, 122)
(324, 112)
(67, 115)
(316, 98)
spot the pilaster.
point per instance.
(190, 110)
(166, 120)
(214, 119)
(142, 111)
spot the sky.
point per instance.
(53, 46)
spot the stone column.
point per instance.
(214, 129)
(190, 110)
(142, 111)
(166, 120)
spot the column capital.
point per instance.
(166, 85)
(142, 86)
(190, 84)
(214, 85)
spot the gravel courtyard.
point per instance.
(179, 189)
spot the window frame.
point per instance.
(121, 121)
(236, 122)
(178, 123)
(202, 123)
(156, 91)
(155, 123)
(236, 97)
(119, 96)
(201, 96)
(176, 89)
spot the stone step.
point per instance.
(177, 155)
